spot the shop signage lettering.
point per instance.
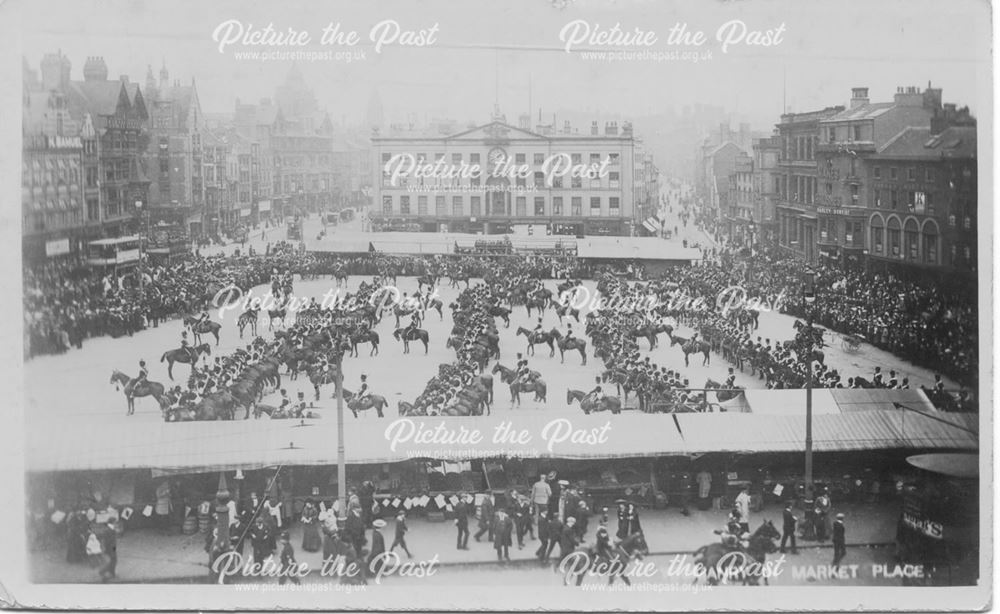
(832, 211)
(929, 528)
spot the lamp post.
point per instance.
(341, 458)
(142, 249)
(809, 296)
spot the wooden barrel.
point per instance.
(204, 521)
(190, 525)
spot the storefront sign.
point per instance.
(832, 211)
(264, 205)
(57, 248)
(929, 528)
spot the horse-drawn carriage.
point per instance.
(851, 343)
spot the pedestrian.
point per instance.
(540, 493)
(375, 559)
(788, 527)
(839, 541)
(823, 506)
(743, 505)
(400, 538)
(289, 568)
(543, 534)
(704, 479)
(311, 539)
(568, 538)
(502, 535)
(462, 522)
(109, 543)
(485, 518)
(260, 540)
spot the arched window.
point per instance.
(931, 248)
(892, 227)
(911, 238)
(877, 234)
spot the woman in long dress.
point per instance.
(311, 538)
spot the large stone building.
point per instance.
(117, 112)
(795, 206)
(53, 200)
(738, 203)
(175, 156)
(712, 181)
(922, 210)
(763, 216)
(497, 178)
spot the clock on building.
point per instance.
(497, 157)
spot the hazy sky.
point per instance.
(827, 48)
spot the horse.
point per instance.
(370, 401)
(692, 346)
(368, 336)
(248, 318)
(650, 331)
(538, 337)
(567, 344)
(509, 376)
(140, 389)
(503, 313)
(588, 405)
(427, 280)
(585, 560)
(183, 355)
(219, 405)
(340, 276)
(408, 409)
(438, 306)
(759, 545)
(459, 277)
(400, 311)
(197, 328)
(406, 336)
(567, 311)
(536, 303)
(276, 314)
(723, 394)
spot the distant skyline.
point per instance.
(486, 53)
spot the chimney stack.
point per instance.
(859, 97)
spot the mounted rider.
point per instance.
(537, 331)
(603, 548)
(143, 374)
(732, 535)
(597, 394)
(364, 390)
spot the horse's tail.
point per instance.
(164, 357)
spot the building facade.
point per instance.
(738, 205)
(717, 163)
(766, 152)
(117, 113)
(795, 205)
(847, 140)
(923, 202)
(175, 156)
(494, 178)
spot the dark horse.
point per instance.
(586, 560)
(406, 336)
(248, 318)
(182, 355)
(534, 338)
(369, 336)
(141, 389)
(198, 328)
(692, 346)
(570, 344)
(718, 561)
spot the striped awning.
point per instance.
(650, 225)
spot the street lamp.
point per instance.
(142, 250)
(809, 296)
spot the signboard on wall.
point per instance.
(56, 248)
(264, 205)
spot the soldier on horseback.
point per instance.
(187, 347)
(143, 374)
(363, 391)
(597, 394)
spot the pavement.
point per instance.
(151, 555)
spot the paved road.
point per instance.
(84, 392)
